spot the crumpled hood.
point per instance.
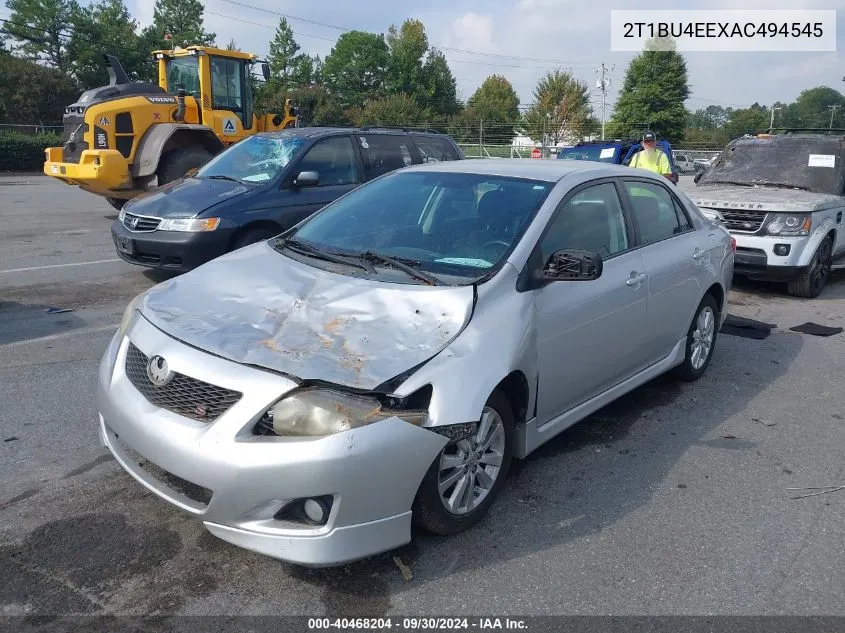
(784, 200)
(185, 198)
(259, 307)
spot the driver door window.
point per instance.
(226, 84)
(592, 220)
(333, 159)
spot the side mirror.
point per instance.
(698, 176)
(572, 264)
(306, 179)
(265, 70)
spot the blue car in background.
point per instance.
(615, 152)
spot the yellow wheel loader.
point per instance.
(130, 137)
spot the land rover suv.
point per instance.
(782, 197)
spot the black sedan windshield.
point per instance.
(255, 159)
(448, 223)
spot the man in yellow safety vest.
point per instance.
(652, 158)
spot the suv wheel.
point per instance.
(812, 281)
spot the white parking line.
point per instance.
(23, 270)
(53, 337)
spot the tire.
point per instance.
(812, 281)
(117, 203)
(693, 366)
(176, 163)
(429, 509)
(252, 236)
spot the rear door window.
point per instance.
(383, 153)
(435, 150)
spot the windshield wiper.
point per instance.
(312, 251)
(222, 177)
(406, 266)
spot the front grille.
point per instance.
(139, 223)
(76, 127)
(183, 395)
(743, 221)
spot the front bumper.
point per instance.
(372, 473)
(178, 251)
(98, 171)
(756, 257)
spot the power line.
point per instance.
(288, 16)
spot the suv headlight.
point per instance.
(321, 412)
(189, 225)
(712, 214)
(789, 224)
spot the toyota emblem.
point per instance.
(158, 372)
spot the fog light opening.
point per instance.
(311, 511)
(782, 249)
(316, 511)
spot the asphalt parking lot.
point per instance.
(674, 500)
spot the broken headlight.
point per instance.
(789, 224)
(321, 412)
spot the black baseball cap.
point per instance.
(649, 136)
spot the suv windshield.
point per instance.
(254, 159)
(814, 164)
(603, 154)
(445, 223)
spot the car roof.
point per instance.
(320, 131)
(534, 169)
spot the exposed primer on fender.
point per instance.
(259, 307)
(781, 199)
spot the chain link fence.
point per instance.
(33, 128)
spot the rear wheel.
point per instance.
(177, 162)
(811, 282)
(462, 483)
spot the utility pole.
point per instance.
(772, 122)
(602, 84)
(832, 109)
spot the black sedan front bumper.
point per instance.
(178, 251)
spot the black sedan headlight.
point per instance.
(789, 224)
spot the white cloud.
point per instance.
(472, 31)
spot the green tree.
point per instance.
(232, 45)
(653, 94)
(106, 27)
(492, 113)
(41, 29)
(442, 89)
(354, 71)
(747, 120)
(307, 71)
(183, 19)
(408, 46)
(812, 108)
(561, 109)
(33, 93)
(395, 109)
(710, 118)
(285, 58)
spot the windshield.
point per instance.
(254, 159)
(444, 223)
(814, 165)
(597, 153)
(184, 71)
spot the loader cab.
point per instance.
(219, 81)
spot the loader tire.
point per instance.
(176, 163)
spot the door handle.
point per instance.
(698, 253)
(635, 278)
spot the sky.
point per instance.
(523, 39)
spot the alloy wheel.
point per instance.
(702, 337)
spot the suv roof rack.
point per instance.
(371, 126)
(813, 130)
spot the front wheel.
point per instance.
(117, 203)
(811, 282)
(701, 339)
(466, 477)
(178, 162)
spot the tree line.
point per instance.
(50, 50)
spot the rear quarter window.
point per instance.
(435, 150)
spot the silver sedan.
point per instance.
(381, 364)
